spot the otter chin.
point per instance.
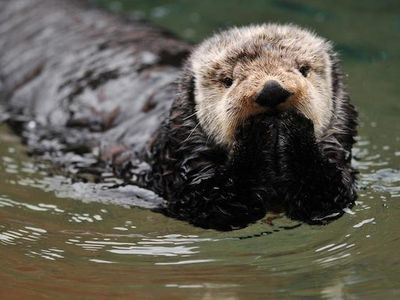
(262, 122)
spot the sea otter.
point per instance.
(262, 122)
(259, 122)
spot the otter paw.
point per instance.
(296, 132)
(296, 145)
(254, 127)
(255, 133)
(295, 122)
(253, 140)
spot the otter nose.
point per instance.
(272, 94)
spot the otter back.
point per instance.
(77, 79)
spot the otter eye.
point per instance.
(304, 70)
(227, 82)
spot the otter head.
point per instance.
(251, 70)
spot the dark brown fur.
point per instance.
(210, 187)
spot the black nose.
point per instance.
(272, 94)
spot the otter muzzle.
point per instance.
(272, 94)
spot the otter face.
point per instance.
(246, 71)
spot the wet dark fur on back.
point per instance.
(212, 187)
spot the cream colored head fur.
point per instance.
(231, 68)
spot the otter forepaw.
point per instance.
(294, 122)
(253, 140)
(254, 126)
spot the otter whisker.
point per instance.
(189, 116)
(191, 132)
(193, 114)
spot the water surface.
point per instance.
(78, 241)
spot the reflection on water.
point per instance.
(81, 240)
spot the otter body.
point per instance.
(259, 121)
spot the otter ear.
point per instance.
(186, 84)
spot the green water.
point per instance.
(57, 241)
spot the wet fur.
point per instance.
(215, 187)
(109, 97)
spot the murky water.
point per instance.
(65, 240)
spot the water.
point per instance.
(65, 240)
